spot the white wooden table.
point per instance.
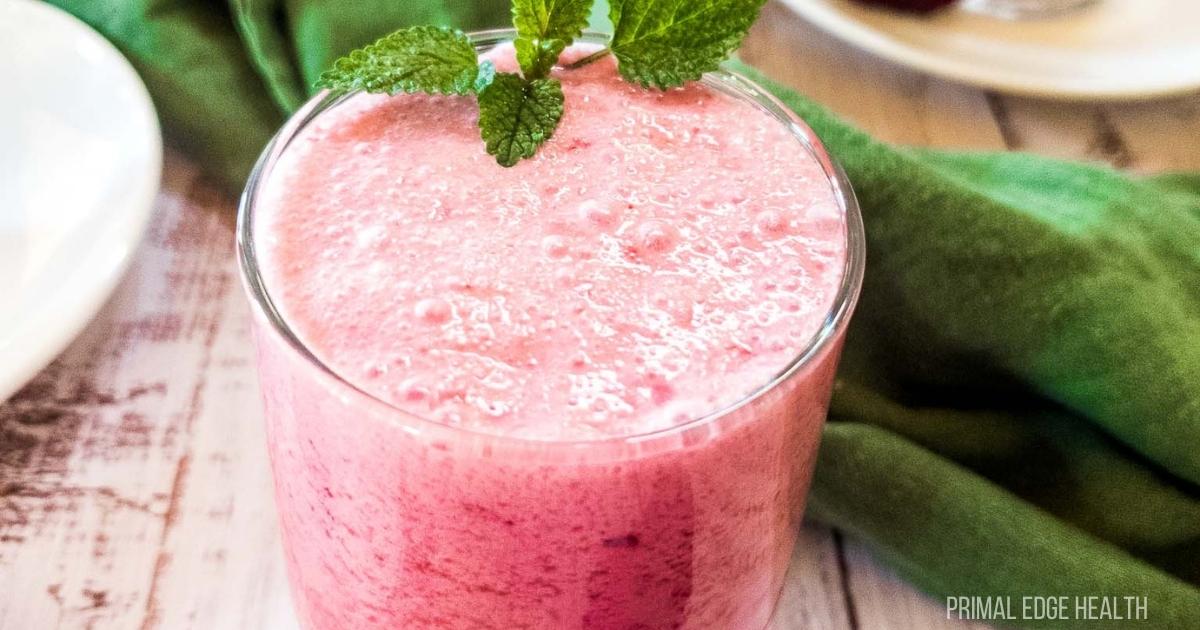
(134, 488)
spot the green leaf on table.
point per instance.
(430, 59)
(544, 29)
(665, 43)
(516, 116)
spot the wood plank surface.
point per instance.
(134, 489)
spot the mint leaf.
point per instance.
(516, 116)
(657, 43)
(538, 56)
(544, 29)
(487, 72)
(665, 43)
(430, 59)
(551, 19)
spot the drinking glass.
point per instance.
(390, 520)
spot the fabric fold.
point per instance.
(210, 101)
(907, 503)
(263, 28)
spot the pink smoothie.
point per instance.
(528, 351)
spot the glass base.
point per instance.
(1026, 9)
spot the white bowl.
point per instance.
(1113, 49)
(80, 164)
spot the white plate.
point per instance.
(1117, 49)
(80, 163)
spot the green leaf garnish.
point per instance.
(666, 43)
(487, 72)
(657, 43)
(516, 116)
(430, 59)
(538, 56)
(544, 29)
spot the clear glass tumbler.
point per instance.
(1026, 9)
(394, 521)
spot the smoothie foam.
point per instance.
(659, 243)
(663, 255)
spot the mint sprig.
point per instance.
(666, 43)
(657, 43)
(544, 29)
(516, 116)
(430, 59)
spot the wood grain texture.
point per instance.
(814, 595)
(882, 601)
(134, 489)
(893, 103)
(96, 449)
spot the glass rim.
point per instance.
(836, 318)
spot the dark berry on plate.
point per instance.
(912, 6)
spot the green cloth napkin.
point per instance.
(1018, 409)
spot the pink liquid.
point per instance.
(661, 258)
